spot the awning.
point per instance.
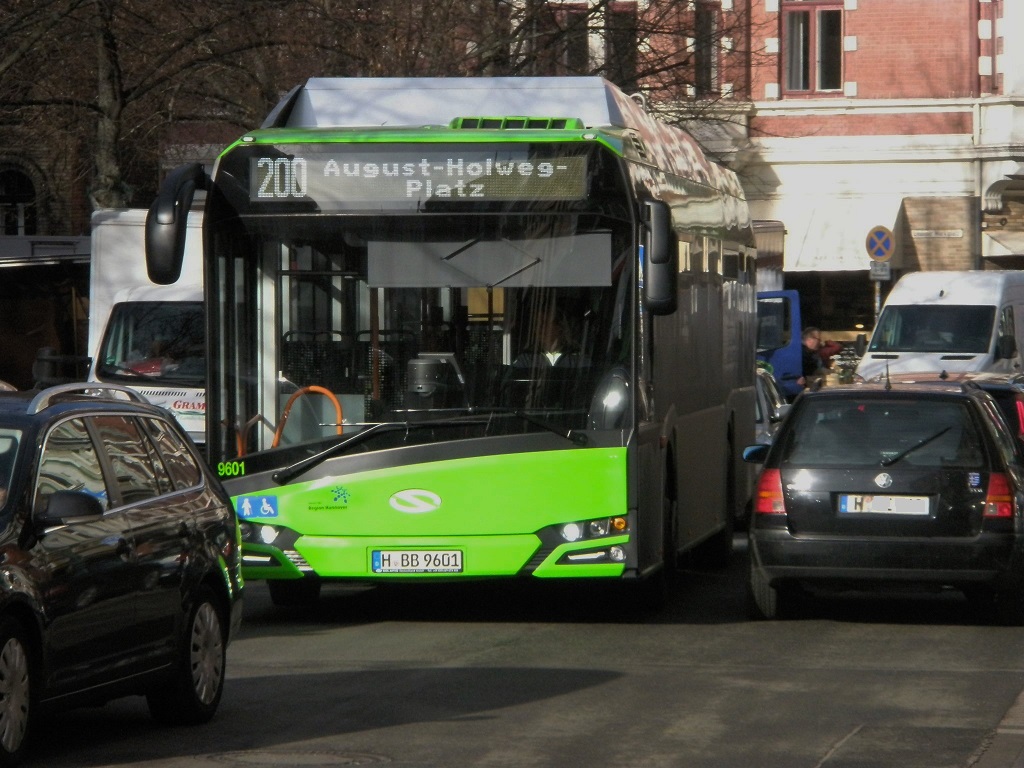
(770, 237)
(998, 191)
(826, 232)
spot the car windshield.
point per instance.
(9, 441)
(853, 432)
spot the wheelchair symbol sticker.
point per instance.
(256, 507)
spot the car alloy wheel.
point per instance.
(197, 681)
(15, 692)
(206, 654)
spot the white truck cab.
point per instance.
(948, 321)
(149, 337)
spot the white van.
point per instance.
(146, 336)
(948, 321)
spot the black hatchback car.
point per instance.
(119, 561)
(881, 484)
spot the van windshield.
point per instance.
(934, 328)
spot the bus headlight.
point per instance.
(572, 532)
(262, 533)
(594, 529)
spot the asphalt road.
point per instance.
(513, 676)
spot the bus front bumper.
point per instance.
(469, 557)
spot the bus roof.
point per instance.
(352, 102)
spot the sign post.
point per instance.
(880, 244)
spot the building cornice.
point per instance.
(839, 106)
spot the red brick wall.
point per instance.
(913, 48)
(905, 48)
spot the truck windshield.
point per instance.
(926, 328)
(154, 341)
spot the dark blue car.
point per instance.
(119, 559)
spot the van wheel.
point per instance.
(197, 682)
(15, 692)
(290, 593)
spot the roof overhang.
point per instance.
(1010, 187)
(39, 250)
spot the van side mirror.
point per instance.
(1006, 347)
(860, 346)
(661, 259)
(167, 220)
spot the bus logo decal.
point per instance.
(415, 501)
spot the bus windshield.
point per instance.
(442, 320)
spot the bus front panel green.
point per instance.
(475, 517)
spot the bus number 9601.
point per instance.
(231, 469)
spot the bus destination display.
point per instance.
(332, 179)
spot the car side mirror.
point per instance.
(62, 507)
(755, 454)
(781, 411)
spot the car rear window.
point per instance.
(874, 432)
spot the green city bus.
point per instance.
(471, 328)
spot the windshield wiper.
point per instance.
(573, 436)
(920, 444)
(113, 369)
(287, 474)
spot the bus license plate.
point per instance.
(416, 560)
(883, 505)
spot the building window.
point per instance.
(17, 204)
(705, 50)
(621, 44)
(812, 46)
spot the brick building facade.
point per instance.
(907, 114)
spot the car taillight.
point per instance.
(768, 498)
(999, 500)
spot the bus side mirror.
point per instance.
(661, 255)
(167, 220)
